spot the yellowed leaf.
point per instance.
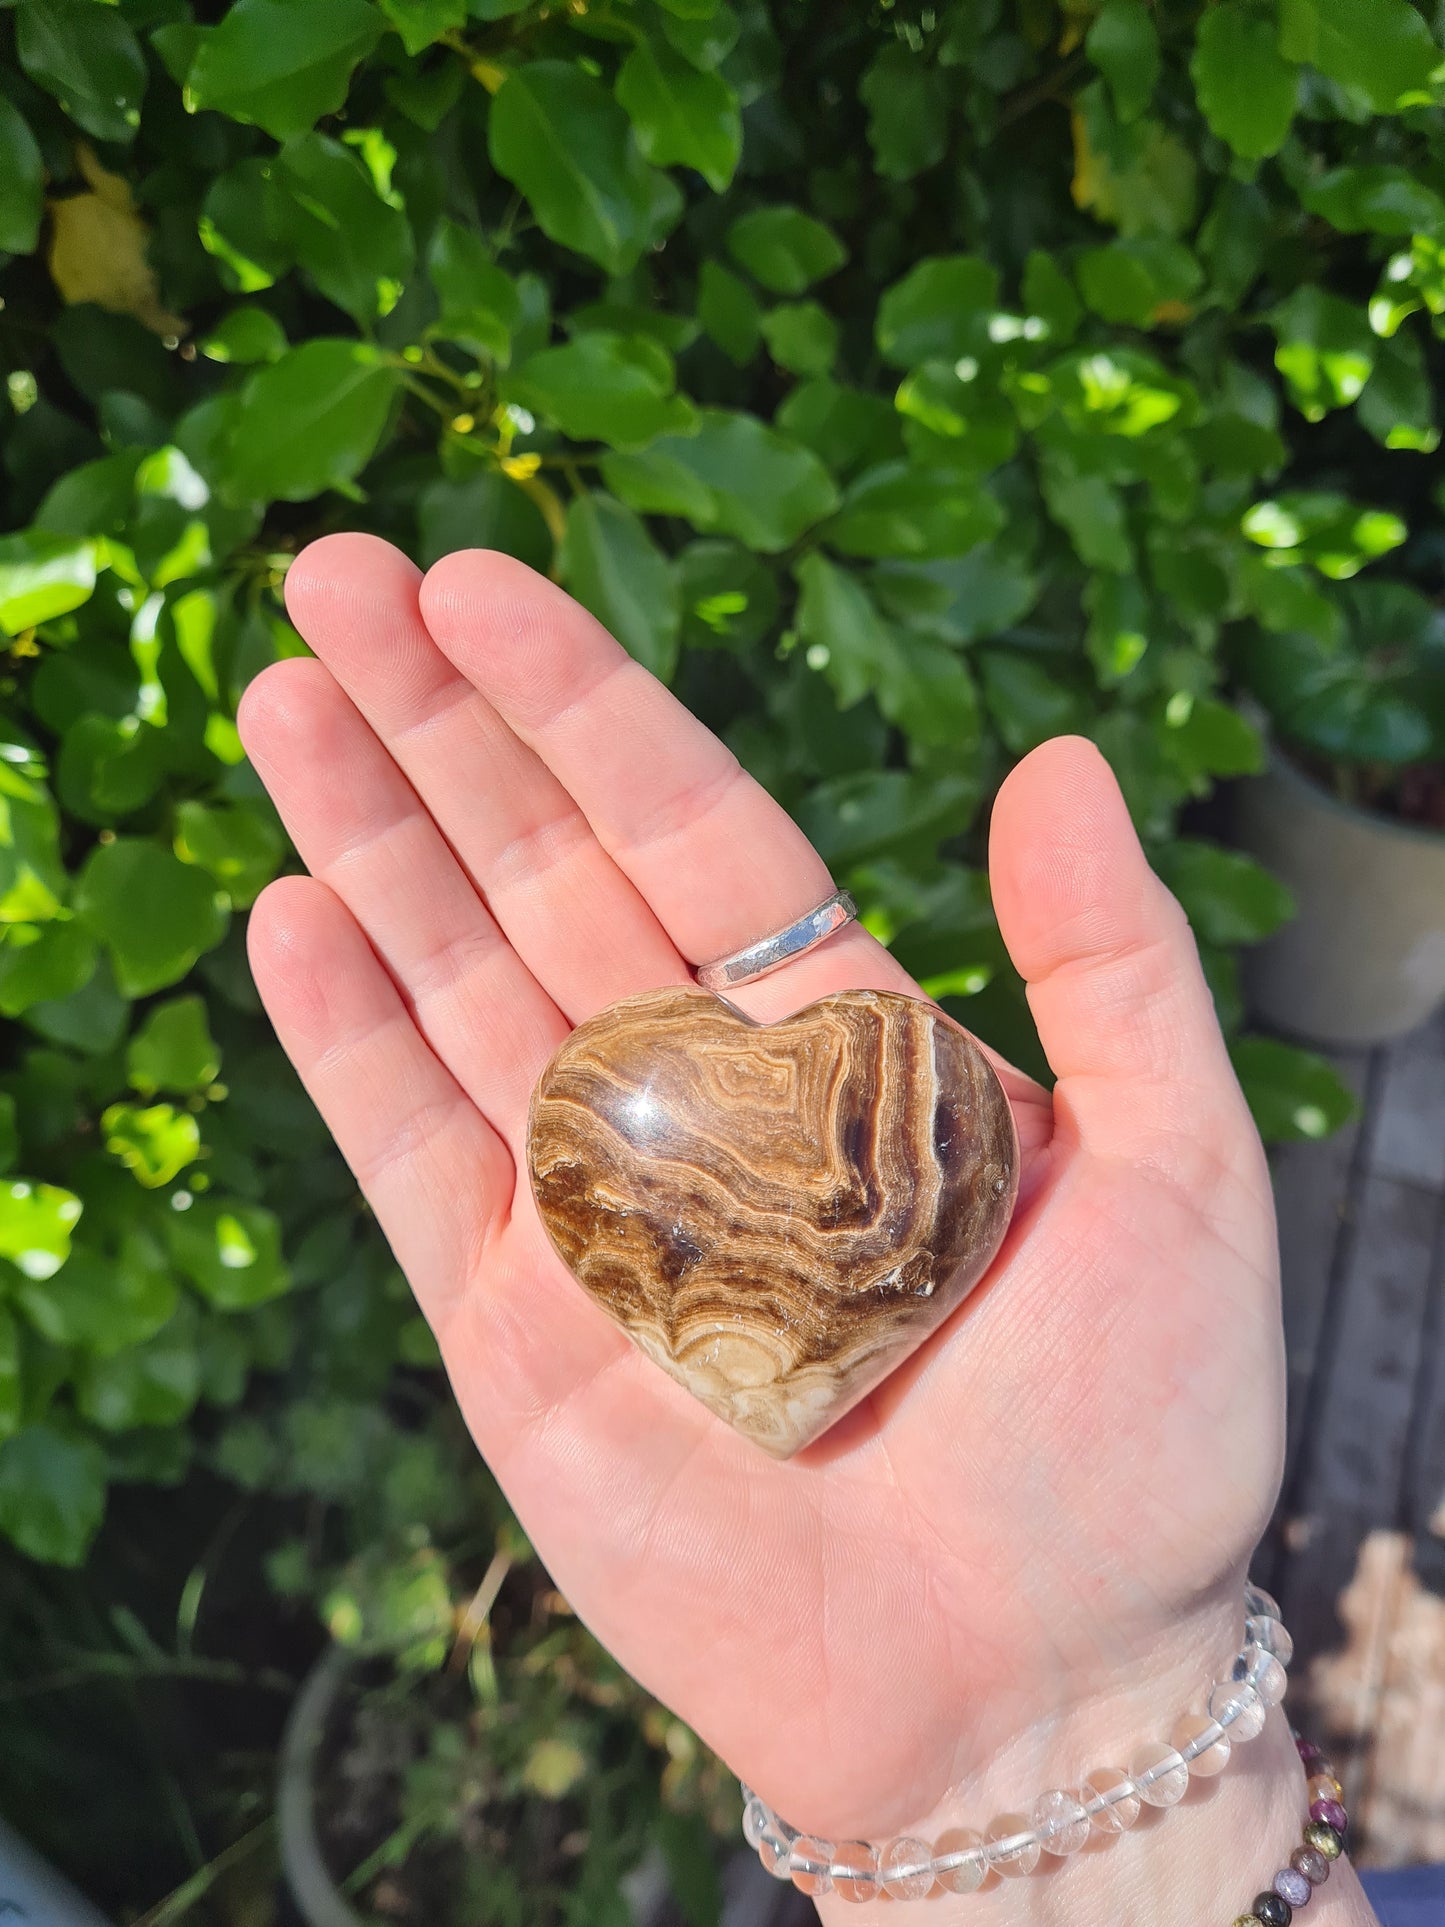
(98, 250)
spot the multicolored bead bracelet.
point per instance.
(1322, 1844)
(1109, 1801)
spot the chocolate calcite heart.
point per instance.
(776, 1213)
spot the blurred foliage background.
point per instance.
(904, 383)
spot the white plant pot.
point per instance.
(1364, 960)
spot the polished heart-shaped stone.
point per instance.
(777, 1214)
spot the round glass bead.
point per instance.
(1248, 1920)
(1111, 1800)
(1324, 1786)
(1261, 1630)
(906, 1869)
(964, 1849)
(773, 1851)
(1331, 1812)
(755, 1819)
(1160, 1774)
(1313, 1865)
(1291, 1885)
(1309, 1753)
(1273, 1911)
(1260, 1604)
(1012, 1846)
(808, 1863)
(1203, 1744)
(1324, 1839)
(1060, 1822)
(1236, 1704)
(1264, 1673)
(855, 1870)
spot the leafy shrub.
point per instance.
(904, 382)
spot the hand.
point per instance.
(1044, 1515)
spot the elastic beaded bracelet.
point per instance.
(1108, 1802)
(1321, 1844)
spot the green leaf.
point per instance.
(1028, 700)
(42, 577)
(107, 768)
(802, 337)
(154, 1383)
(940, 309)
(1091, 511)
(760, 486)
(1123, 44)
(9, 1132)
(155, 914)
(706, 43)
(88, 58)
(1246, 91)
(280, 65)
(559, 136)
(480, 306)
(729, 312)
(173, 1050)
(52, 1493)
(1325, 351)
(36, 1221)
(728, 595)
(1227, 897)
(1381, 47)
(1316, 525)
(22, 183)
(230, 1251)
(487, 511)
(900, 510)
(12, 1402)
(919, 684)
(103, 1301)
(309, 422)
(846, 428)
(683, 117)
(907, 106)
(1398, 403)
(603, 387)
(324, 209)
(247, 334)
(1293, 1093)
(1375, 200)
(1131, 281)
(240, 846)
(1336, 701)
(155, 1144)
(1119, 626)
(784, 249)
(615, 569)
(852, 818)
(423, 22)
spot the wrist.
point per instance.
(1233, 1829)
(1202, 1861)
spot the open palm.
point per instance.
(510, 824)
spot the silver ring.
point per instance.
(769, 953)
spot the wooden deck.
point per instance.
(1356, 1555)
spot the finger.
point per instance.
(437, 1175)
(719, 861)
(576, 921)
(360, 828)
(1113, 974)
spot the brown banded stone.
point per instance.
(775, 1213)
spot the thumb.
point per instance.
(1114, 981)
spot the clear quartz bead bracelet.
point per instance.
(1108, 1801)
